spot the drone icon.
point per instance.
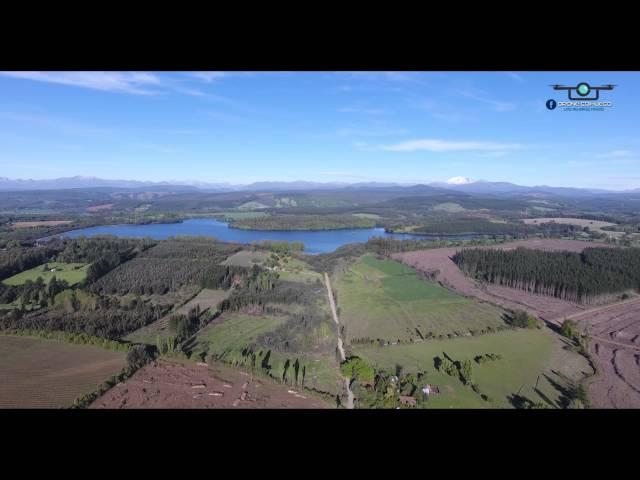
(583, 89)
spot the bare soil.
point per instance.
(44, 223)
(180, 384)
(97, 208)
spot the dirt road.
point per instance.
(343, 357)
(601, 309)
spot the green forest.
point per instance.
(578, 277)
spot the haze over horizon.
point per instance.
(245, 127)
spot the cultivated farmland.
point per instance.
(43, 223)
(38, 373)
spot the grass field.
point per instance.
(595, 225)
(243, 215)
(246, 258)
(252, 206)
(234, 333)
(208, 299)
(71, 272)
(38, 373)
(367, 215)
(383, 299)
(529, 357)
(295, 270)
(449, 207)
(226, 340)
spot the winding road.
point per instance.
(334, 313)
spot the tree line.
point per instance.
(109, 319)
(18, 258)
(303, 222)
(589, 277)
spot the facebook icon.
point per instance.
(551, 104)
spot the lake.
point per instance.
(321, 241)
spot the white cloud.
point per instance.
(59, 124)
(157, 148)
(223, 116)
(137, 83)
(436, 145)
(208, 77)
(516, 76)
(366, 111)
(616, 154)
(452, 117)
(496, 105)
(370, 132)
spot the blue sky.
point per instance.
(242, 127)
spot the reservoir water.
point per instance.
(322, 241)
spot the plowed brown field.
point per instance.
(38, 373)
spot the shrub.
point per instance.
(139, 355)
(356, 368)
(522, 319)
(569, 329)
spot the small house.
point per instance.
(407, 401)
(430, 389)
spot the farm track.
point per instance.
(343, 357)
(617, 384)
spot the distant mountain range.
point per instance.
(460, 184)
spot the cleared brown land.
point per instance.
(97, 208)
(550, 245)
(44, 223)
(615, 329)
(449, 275)
(175, 384)
(38, 373)
(615, 347)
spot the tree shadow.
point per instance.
(520, 401)
(567, 392)
(545, 398)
